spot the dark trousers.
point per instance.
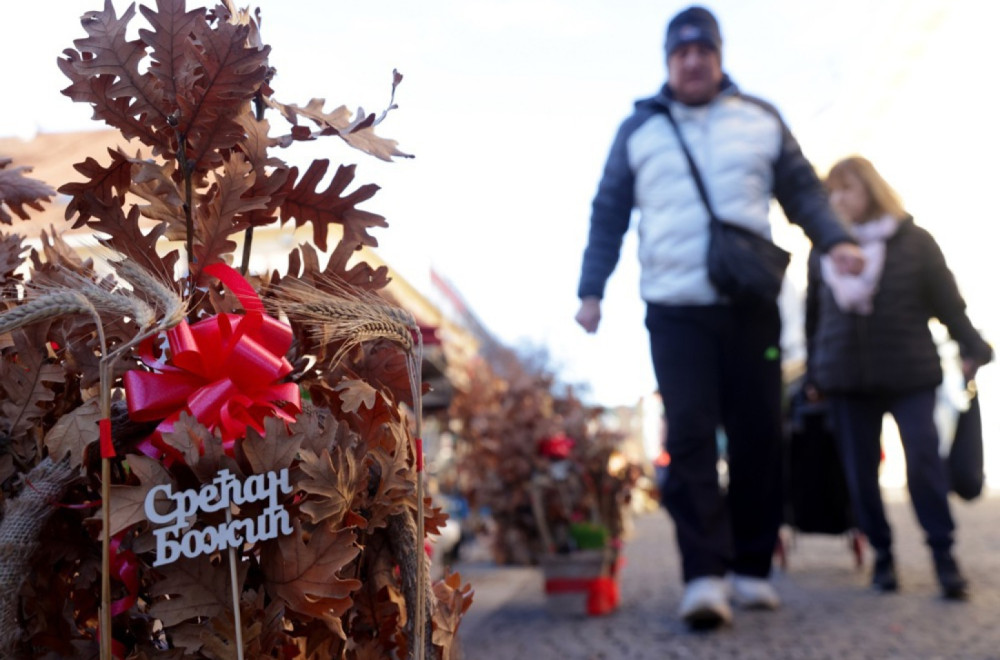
(858, 426)
(720, 366)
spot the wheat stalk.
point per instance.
(105, 298)
(46, 306)
(335, 312)
(121, 304)
(167, 301)
(352, 323)
(172, 310)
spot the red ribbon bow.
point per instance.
(226, 371)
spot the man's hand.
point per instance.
(589, 315)
(847, 258)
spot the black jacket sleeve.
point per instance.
(948, 306)
(609, 220)
(802, 197)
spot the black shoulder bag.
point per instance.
(742, 265)
(965, 460)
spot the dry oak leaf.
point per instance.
(364, 138)
(379, 606)
(12, 252)
(310, 427)
(331, 481)
(118, 112)
(169, 43)
(303, 263)
(361, 274)
(60, 260)
(357, 132)
(196, 588)
(110, 52)
(74, 432)
(199, 78)
(386, 366)
(219, 639)
(23, 377)
(275, 450)
(315, 645)
(201, 449)
(128, 502)
(378, 425)
(153, 181)
(355, 393)
(256, 145)
(453, 600)
(18, 191)
(305, 574)
(434, 518)
(125, 236)
(272, 173)
(105, 73)
(222, 211)
(228, 73)
(384, 431)
(106, 184)
(394, 483)
(272, 621)
(216, 638)
(306, 203)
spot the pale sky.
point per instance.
(510, 107)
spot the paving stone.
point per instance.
(828, 612)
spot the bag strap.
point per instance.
(695, 174)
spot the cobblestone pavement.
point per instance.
(829, 612)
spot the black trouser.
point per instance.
(720, 365)
(858, 425)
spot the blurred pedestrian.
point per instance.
(717, 363)
(871, 352)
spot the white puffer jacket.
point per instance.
(745, 154)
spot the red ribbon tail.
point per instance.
(125, 567)
(107, 446)
(242, 289)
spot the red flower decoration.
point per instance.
(558, 446)
(226, 371)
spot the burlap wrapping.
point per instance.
(23, 519)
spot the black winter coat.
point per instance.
(891, 350)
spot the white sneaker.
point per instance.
(754, 593)
(706, 603)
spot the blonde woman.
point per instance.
(871, 352)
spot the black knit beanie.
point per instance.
(693, 25)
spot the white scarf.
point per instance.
(854, 293)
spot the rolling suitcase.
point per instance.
(817, 500)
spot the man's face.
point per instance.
(694, 73)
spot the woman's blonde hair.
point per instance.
(883, 199)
